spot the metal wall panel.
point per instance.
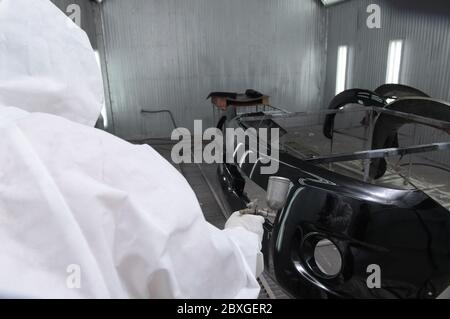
(170, 54)
(426, 63)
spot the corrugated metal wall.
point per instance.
(426, 63)
(170, 54)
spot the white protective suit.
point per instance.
(83, 213)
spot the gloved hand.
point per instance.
(252, 223)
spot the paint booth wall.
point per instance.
(425, 30)
(171, 54)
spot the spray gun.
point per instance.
(277, 193)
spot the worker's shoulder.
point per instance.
(57, 137)
(65, 131)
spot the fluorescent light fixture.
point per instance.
(103, 111)
(341, 71)
(327, 3)
(394, 62)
